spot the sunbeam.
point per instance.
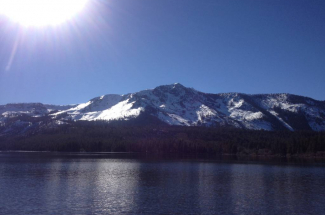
(13, 53)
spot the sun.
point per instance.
(41, 12)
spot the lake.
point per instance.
(80, 183)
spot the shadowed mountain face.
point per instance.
(178, 105)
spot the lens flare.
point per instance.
(41, 12)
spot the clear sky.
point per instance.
(123, 46)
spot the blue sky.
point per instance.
(122, 46)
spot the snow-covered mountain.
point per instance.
(178, 105)
(31, 109)
(20, 117)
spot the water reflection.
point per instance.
(214, 188)
(111, 184)
(116, 184)
(167, 188)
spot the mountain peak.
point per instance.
(169, 87)
(175, 85)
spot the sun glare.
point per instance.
(41, 12)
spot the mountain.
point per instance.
(32, 109)
(28, 117)
(178, 105)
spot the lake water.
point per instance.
(54, 183)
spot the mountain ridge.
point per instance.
(176, 104)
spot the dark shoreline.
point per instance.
(190, 156)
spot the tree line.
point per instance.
(156, 137)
